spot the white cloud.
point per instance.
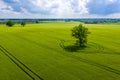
(52, 9)
(112, 0)
(115, 15)
(16, 0)
(61, 8)
(6, 10)
(4, 6)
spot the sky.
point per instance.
(59, 8)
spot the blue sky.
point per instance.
(59, 8)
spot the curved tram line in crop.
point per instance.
(92, 45)
(21, 65)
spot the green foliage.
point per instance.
(36, 21)
(23, 24)
(80, 32)
(10, 23)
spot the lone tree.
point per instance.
(10, 23)
(80, 32)
(36, 21)
(23, 24)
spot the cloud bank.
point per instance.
(59, 9)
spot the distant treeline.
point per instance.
(87, 21)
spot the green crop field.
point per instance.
(35, 52)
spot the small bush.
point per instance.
(23, 24)
(10, 23)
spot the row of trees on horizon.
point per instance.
(87, 21)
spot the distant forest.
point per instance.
(86, 21)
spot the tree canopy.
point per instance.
(10, 23)
(80, 32)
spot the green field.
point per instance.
(34, 52)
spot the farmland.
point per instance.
(34, 52)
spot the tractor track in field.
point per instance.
(31, 41)
(98, 48)
(21, 65)
(102, 49)
(107, 68)
(28, 31)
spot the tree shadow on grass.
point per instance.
(72, 47)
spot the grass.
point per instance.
(36, 52)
